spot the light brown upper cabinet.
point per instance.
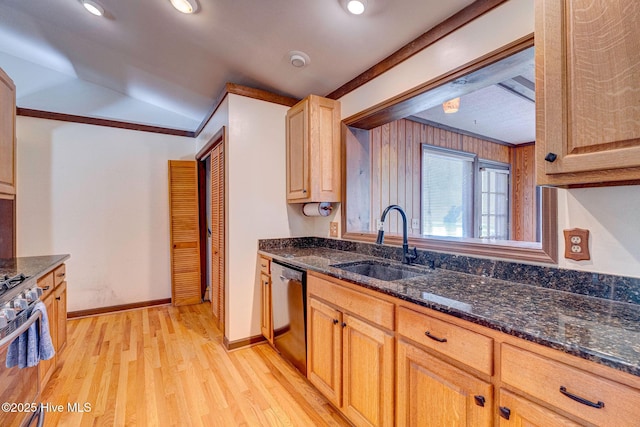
(587, 91)
(7, 134)
(313, 151)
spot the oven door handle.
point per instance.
(15, 334)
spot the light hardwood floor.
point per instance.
(166, 366)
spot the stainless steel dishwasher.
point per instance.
(289, 308)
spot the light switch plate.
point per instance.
(576, 244)
(333, 229)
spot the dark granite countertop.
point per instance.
(596, 329)
(32, 266)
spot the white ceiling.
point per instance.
(148, 63)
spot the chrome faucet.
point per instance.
(408, 255)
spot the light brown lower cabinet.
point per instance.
(517, 411)
(54, 298)
(432, 392)
(350, 360)
(266, 319)
(47, 367)
(382, 361)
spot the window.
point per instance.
(447, 192)
(494, 201)
(453, 205)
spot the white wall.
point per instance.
(610, 213)
(256, 205)
(99, 194)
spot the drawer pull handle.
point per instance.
(479, 400)
(433, 337)
(58, 298)
(505, 412)
(46, 288)
(579, 399)
(61, 274)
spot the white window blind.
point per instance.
(447, 193)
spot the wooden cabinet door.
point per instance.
(324, 149)
(324, 349)
(218, 234)
(587, 74)
(7, 134)
(431, 392)
(266, 323)
(184, 232)
(518, 412)
(368, 373)
(298, 152)
(60, 295)
(46, 367)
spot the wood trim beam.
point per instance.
(446, 27)
(249, 92)
(233, 88)
(72, 118)
(116, 308)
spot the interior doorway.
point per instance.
(211, 193)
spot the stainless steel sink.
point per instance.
(380, 270)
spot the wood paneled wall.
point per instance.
(523, 193)
(395, 159)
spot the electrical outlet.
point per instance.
(576, 244)
(333, 229)
(415, 223)
(378, 224)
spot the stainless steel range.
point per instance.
(19, 387)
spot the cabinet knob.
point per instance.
(505, 412)
(344, 325)
(304, 191)
(551, 157)
(336, 321)
(58, 298)
(480, 400)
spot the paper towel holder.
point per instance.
(317, 209)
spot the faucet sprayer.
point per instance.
(408, 256)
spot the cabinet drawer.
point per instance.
(59, 274)
(460, 344)
(544, 379)
(367, 307)
(265, 265)
(46, 283)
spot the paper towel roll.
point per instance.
(317, 209)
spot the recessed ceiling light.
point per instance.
(356, 6)
(185, 6)
(93, 7)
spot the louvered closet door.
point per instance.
(217, 234)
(185, 235)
